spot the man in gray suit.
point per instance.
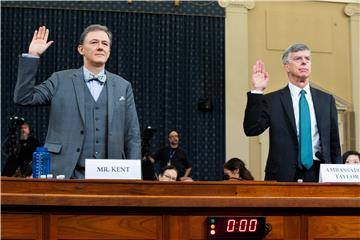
(92, 114)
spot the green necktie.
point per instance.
(305, 139)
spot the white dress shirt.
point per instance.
(95, 87)
(295, 95)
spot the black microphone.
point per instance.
(320, 157)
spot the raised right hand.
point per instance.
(260, 77)
(39, 42)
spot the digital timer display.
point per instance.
(236, 227)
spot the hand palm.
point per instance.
(39, 42)
(39, 46)
(260, 80)
(260, 77)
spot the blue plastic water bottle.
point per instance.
(41, 162)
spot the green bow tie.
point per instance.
(100, 77)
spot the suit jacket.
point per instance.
(64, 92)
(275, 110)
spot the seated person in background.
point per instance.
(351, 157)
(168, 174)
(173, 155)
(235, 169)
(20, 165)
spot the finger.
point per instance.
(258, 66)
(254, 68)
(266, 76)
(46, 35)
(34, 36)
(49, 44)
(261, 66)
(41, 33)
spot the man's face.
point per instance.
(95, 49)
(168, 176)
(173, 137)
(24, 130)
(299, 68)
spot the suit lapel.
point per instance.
(110, 98)
(286, 101)
(317, 107)
(78, 81)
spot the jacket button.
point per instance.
(78, 149)
(81, 132)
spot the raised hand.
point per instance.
(39, 42)
(260, 77)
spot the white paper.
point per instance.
(339, 173)
(113, 169)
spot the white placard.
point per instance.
(113, 169)
(339, 173)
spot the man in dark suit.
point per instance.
(279, 111)
(93, 113)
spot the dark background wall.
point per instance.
(172, 55)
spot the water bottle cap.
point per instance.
(41, 149)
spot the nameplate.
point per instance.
(113, 169)
(339, 173)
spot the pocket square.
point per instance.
(122, 98)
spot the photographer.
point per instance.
(148, 172)
(20, 152)
(174, 155)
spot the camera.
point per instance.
(146, 136)
(148, 133)
(147, 168)
(15, 123)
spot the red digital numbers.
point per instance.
(242, 225)
(253, 225)
(231, 225)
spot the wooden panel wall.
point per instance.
(76, 227)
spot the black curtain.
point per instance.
(171, 60)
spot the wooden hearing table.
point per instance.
(124, 209)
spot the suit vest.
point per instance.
(96, 129)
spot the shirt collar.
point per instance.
(87, 73)
(295, 90)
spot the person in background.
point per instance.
(168, 174)
(92, 111)
(302, 120)
(235, 169)
(173, 155)
(20, 166)
(351, 157)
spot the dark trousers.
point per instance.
(311, 175)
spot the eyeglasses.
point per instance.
(170, 177)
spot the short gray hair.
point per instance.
(293, 48)
(93, 28)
